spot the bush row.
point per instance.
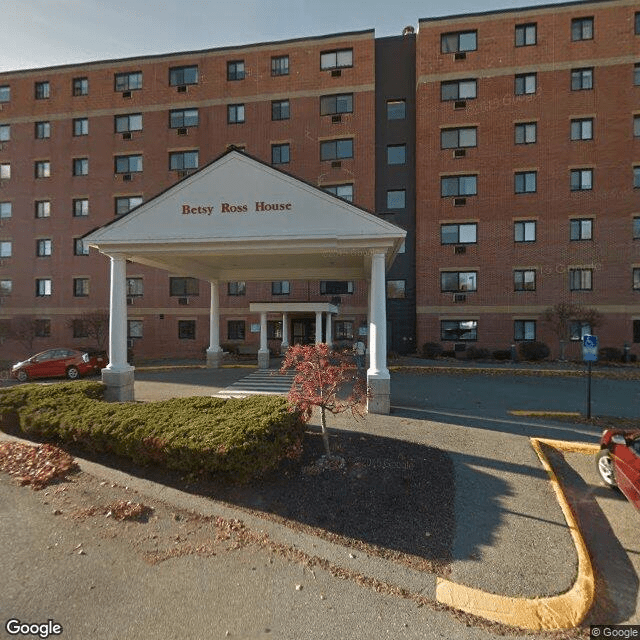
(240, 438)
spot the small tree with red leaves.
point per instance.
(326, 379)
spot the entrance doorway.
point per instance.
(303, 330)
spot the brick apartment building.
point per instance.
(506, 143)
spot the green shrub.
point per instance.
(610, 354)
(533, 351)
(502, 354)
(431, 349)
(238, 437)
(477, 353)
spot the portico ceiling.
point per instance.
(240, 219)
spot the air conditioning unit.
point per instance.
(460, 249)
(336, 73)
(126, 94)
(459, 202)
(336, 300)
(129, 300)
(336, 164)
(459, 153)
(126, 177)
(461, 55)
(183, 131)
(460, 104)
(337, 118)
(183, 173)
(126, 135)
(182, 88)
(459, 297)
(183, 300)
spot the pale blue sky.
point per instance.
(40, 33)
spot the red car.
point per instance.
(618, 462)
(56, 363)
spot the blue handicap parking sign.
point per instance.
(589, 348)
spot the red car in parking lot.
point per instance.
(60, 362)
(618, 462)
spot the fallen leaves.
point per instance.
(35, 465)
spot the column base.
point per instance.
(380, 399)
(263, 359)
(284, 348)
(119, 385)
(214, 358)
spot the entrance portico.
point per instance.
(238, 219)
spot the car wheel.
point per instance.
(604, 463)
(22, 376)
(73, 373)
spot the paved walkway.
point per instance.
(262, 381)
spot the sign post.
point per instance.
(589, 355)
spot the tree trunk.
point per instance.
(325, 433)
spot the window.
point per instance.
(336, 149)
(396, 109)
(80, 207)
(128, 123)
(5, 171)
(124, 204)
(526, 34)
(336, 287)
(128, 164)
(280, 288)
(134, 329)
(344, 191)
(235, 113)
(581, 229)
(237, 288)
(454, 186)
(128, 81)
(43, 208)
(465, 233)
(396, 154)
(581, 79)
(5, 132)
(458, 138)
(458, 90)
(280, 153)
(636, 228)
(578, 329)
(179, 76)
(459, 42)
(636, 74)
(280, 110)
(343, 329)
(5, 249)
(42, 328)
(80, 248)
(454, 330)
(183, 287)
(183, 160)
(186, 329)
(180, 118)
(525, 83)
(81, 166)
(582, 129)
(636, 126)
(235, 329)
(637, 25)
(235, 70)
(396, 289)
(43, 287)
(581, 179)
(524, 330)
(5, 93)
(5, 210)
(458, 281)
(636, 279)
(524, 280)
(5, 287)
(43, 248)
(636, 177)
(80, 86)
(135, 287)
(43, 90)
(580, 279)
(582, 29)
(80, 287)
(396, 199)
(524, 231)
(274, 329)
(336, 59)
(526, 181)
(338, 103)
(43, 169)
(526, 132)
(43, 130)
(81, 126)
(280, 66)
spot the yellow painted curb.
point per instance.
(524, 412)
(563, 611)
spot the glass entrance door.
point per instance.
(303, 330)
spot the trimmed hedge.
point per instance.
(237, 437)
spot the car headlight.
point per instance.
(85, 357)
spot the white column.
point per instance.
(214, 352)
(118, 374)
(263, 353)
(378, 376)
(328, 338)
(285, 332)
(318, 327)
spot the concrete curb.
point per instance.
(556, 612)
